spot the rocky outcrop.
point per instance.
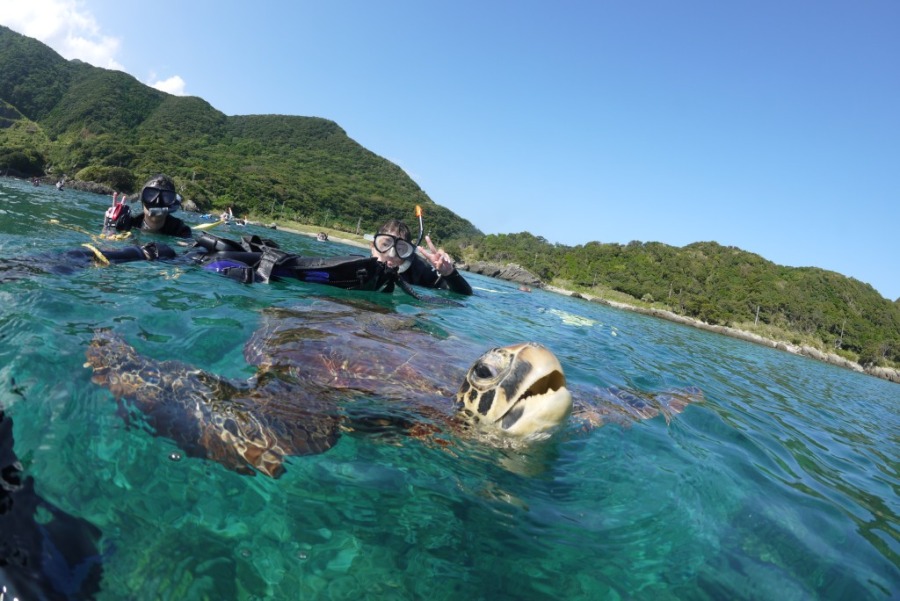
(94, 187)
(885, 373)
(509, 272)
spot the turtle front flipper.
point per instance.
(239, 426)
(617, 405)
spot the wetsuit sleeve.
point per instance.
(420, 273)
(176, 227)
(457, 283)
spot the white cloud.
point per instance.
(71, 29)
(173, 85)
(65, 26)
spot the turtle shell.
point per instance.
(340, 347)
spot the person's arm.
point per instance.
(176, 227)
(423, 273)
(443, 274)
(456, 282)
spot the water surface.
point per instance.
(783, 484)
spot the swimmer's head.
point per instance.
(159, 196)
(393, 245)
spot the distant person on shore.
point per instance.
(159, 200)
(393, 246)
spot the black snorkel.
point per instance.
(421, 225)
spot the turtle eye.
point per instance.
(484, 371)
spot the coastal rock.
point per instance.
(94, 187)
(885, 373)
(509, 272)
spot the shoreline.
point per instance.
(884, 373)
(331, 238)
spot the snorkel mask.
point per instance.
(392, 245)
(158, 201)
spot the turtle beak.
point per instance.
(541, 401)
(520, 390)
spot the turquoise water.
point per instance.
(783, 484)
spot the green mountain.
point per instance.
(68, 117)
(59, 116)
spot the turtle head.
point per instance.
(518, 390)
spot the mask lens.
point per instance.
(404, 248)
(149, 196)
(383, 242)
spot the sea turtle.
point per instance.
(311, 360)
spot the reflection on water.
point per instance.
(782, 484)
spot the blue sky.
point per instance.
(768, 125)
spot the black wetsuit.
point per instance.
(45, 553)
(173, 226)
(420, 273)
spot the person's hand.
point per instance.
(124, 219)
(438, 258)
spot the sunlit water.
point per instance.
(782, 484)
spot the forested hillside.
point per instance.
(716, 284)
(66, 117)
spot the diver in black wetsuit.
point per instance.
(159, 200)
(54, 557)
(393, 246)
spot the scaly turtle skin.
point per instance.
(312, 360)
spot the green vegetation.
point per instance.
(718, 285)
(66, 117)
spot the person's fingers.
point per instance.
(438, 257)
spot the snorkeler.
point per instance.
(393, 246)
(159, 200)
